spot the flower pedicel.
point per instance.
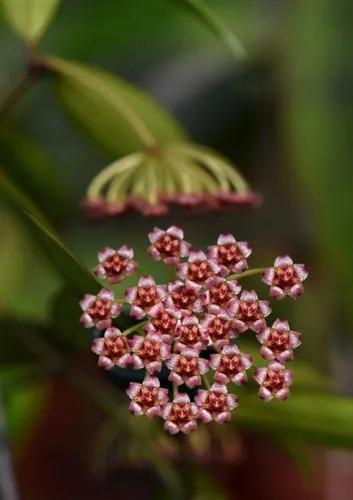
(190, 327)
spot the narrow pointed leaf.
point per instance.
(14, 197)
(78, 278)
(29, 18)
(315, 418)
(210, 19)
(30, 168)
(120, 117)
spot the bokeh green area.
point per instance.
(284, 115)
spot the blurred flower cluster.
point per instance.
(182, 174)
(190, 325)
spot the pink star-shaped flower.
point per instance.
(112, 349)
(198, 268)
(186, 296)
(218, 327)
(187, 368)
(249, 312)
(115, 265)
(180, 415)
(189, 334)
(215, 404)
(149, 352)
(163, 320)
(147, 398)
(168, 245)
(98, 310)
(285, 278)
(221, 291)
(274, 381)
(230, 365)
(230, 255)
(144, 296)
(278, 342)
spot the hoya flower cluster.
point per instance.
(149, 182)
(191, 325)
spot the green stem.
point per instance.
(206, 382)
(15, 94)
(175, 390)
(170, 272)
(245, 274)
(133, 328)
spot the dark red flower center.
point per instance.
(229, 254)
(249, 311)
(99, 309)
(168, 246)
(150, 350)
(180, 413)
(285, 277)
(190, 334)
(115, 265)
(184, 298)
(199, 271)
(165, 323)
(274, 380)
(146, 297)
(221, 294)
(187, 367)
(147, 396)
(219, 328)
(115, 347)
(215, 403)
(231, 364)
(278, 341)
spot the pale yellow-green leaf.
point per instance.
(29, 18)
(119, 116)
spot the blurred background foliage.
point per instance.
(283, 113)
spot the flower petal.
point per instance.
(283, 261)
(265, 394)
(189, 427)
(97, 345)
(135, 408)
(133, 389)
(225, 416)
(296, 290)
(175, 232)
(300, 271)
(105, 253)
(171, 427)
(126, 252)
(146, 282)
(87, 301)
(268, 275)
(106, 295)
(86, 320)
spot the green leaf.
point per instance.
(120, 117)
(205, 14)
(15, 198)
(29, 18)
(29, 167)
(320, 129)
(12, 349)
(315, 418)
(77, 277)
(24, 401)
